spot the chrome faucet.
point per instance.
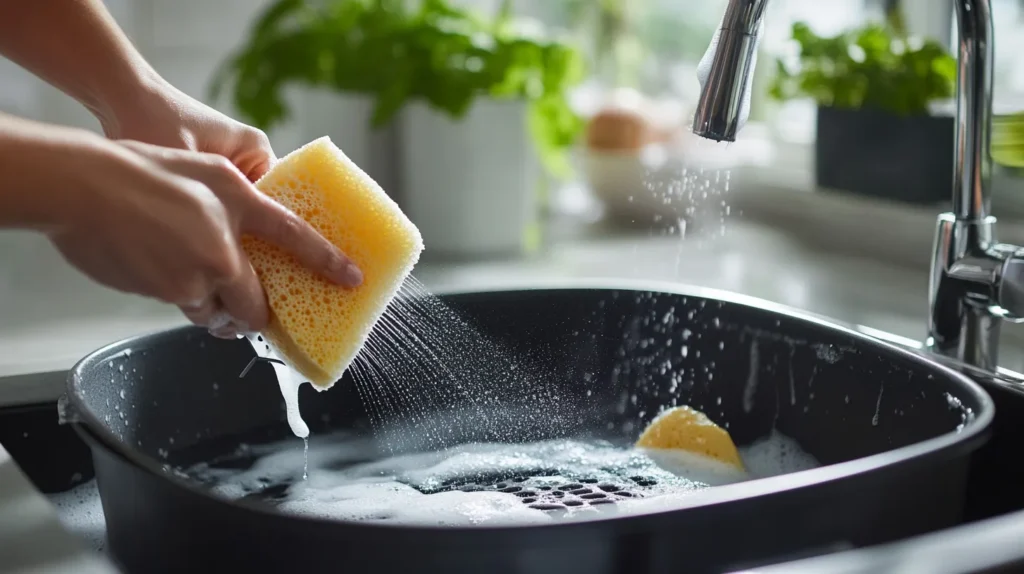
(976, 282)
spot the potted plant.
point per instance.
(874, 87)
(474, 95)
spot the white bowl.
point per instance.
(635, 186)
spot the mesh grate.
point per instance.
(553, 492)
(547, 489)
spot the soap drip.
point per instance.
(289, 380)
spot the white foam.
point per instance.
(393, 501)
(409, 489)
(81, 512)
(696, 467)
(774, 455)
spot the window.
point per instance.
(675, 34)
(1008, 75)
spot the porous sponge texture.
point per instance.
(319, 327)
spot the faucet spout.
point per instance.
(727, 70)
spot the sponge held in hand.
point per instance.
(316, 326)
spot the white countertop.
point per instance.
(48, 328)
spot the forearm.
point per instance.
(40, 190)
(78, 47)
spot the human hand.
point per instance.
(166, 223)
(162, 115)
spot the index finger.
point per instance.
(273, 222)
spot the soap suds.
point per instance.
(486, 483)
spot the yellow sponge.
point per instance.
(319, 327)
(687, 429)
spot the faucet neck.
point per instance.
(972, 163)
(744, 16)
(975, 282)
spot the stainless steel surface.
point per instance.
(1011, 288)
(972, 166)
(975, 282)
(726, 72)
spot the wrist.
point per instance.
(50, 185)
(122, 99)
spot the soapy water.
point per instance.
(474, 484)
(482, 484)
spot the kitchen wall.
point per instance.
(183, 39)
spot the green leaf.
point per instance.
(872, 66)
(397, 52)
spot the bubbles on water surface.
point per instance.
(81, 512)
(481, 483)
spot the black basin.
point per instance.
(893, 431)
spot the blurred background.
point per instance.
(549, 139)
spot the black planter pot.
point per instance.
(878, 154)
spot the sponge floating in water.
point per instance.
(318, 327)
(689, 430)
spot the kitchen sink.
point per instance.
(55, 459)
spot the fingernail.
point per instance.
(353, 275)
(225, 333)
(341, 270)
(193, 305)
(337, 268)
(218, 320)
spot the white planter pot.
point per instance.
(345, 118)
(470, 185)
